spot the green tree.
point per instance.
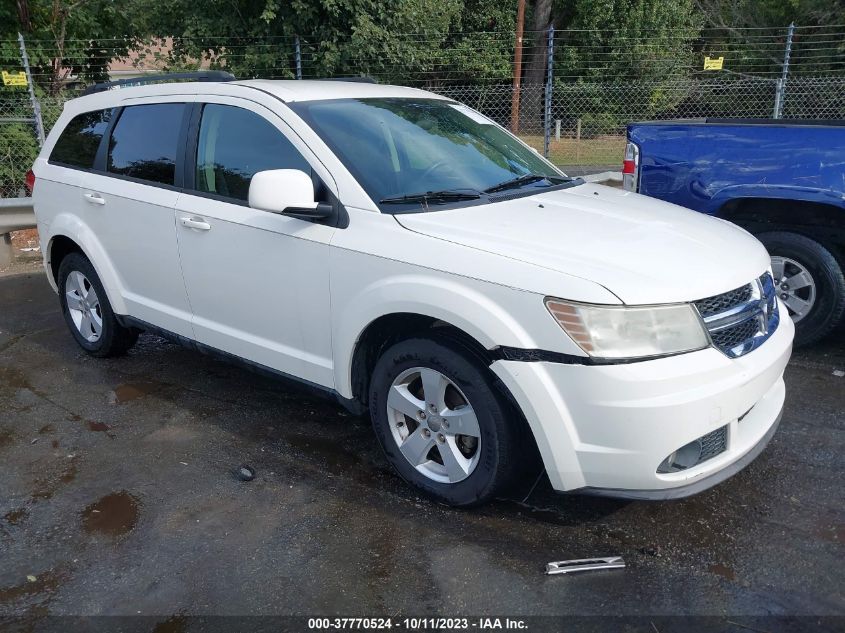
(429, 41)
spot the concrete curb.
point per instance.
(604, 176)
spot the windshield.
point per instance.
(402, 149)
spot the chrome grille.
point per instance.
(720, 303)
(736, 335)
(740, 320)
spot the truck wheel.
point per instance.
(809, 281)
(87, 310)
(441, 425)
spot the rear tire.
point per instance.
(87, 310)
(425, 447)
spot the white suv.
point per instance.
(405, 254)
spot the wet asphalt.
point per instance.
(117, 497)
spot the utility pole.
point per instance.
(517, 67)
(781, 86)
(297, 56)
(36, 107)
(550, 75)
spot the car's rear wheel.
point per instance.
(442, 425)
(87, 310)
(810, 282)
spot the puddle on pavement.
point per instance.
(99, 427)
(16, 516)
(46, 582)
(6, 438)
(113, 515)
(13, 378)
(337, 460)
(132, 391)
(47, 486)
(723, 571)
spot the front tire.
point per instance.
(441, 424)
(87, 310)
(810, 282)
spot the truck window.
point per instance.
(78, 142)
(144, 141)
(233, 145)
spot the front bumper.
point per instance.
(605, 429)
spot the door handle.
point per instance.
(194, 223)
(94, 198)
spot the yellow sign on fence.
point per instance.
(14, 79)
(714, 63)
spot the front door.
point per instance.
(258, 282)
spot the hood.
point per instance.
(643, 250)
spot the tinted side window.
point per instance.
(144, 141)
(78, 142)
(233, 145)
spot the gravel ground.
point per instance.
(117, 498)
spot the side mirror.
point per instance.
(287, 192)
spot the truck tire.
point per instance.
(423, 393)
(816, 296)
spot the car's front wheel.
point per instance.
(87, 310)
(442, 425)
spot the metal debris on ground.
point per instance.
(838, 373)
(245, 473)
(584, 564)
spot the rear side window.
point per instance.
(144, 141)
(78, 142)
(233, 145)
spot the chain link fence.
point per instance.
(575, 115)
(18, 145)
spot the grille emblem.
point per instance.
(763, 307)
(741, 320)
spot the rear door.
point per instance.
(130, 200)
(258, 282)
(71, 158)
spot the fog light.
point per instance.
(683, 458)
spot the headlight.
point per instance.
(636, 332)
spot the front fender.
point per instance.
(480, 314)
(70, 226)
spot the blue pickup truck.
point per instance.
(782, 181)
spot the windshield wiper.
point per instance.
(432, 196)
(525, 179)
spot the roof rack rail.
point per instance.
(363, 79)
(202, 75)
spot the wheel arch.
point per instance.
(69, 235)
(406, 304)
(392, 328)
(821, 221)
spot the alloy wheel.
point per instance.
(795, 286)
(84, 306)
(434, 425)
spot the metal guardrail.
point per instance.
(16, 214)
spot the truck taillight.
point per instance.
(631, 167)
(30, 181)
